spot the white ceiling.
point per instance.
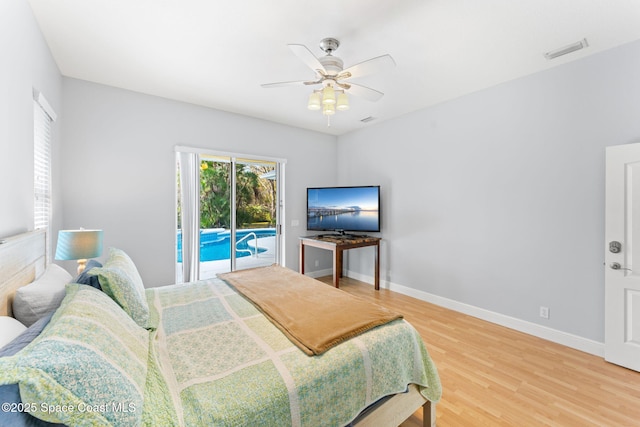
(217, 53)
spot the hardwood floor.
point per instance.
(495, 376)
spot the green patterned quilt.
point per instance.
(210, 358)
(223, 363)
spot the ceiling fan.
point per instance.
(332, 77)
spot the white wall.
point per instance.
(496, 199)
(26, 64)
(119, 167)
(493, 200)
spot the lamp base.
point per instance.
(82, 264)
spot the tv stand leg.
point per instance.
(376, 273)
(337, 267)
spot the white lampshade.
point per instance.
(314, 101)
(328, 95)
(343, 102)
(329, 109)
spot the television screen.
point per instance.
(343, 208)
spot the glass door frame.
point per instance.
(234, 159)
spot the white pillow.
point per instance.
(38, 298)
(9, 329)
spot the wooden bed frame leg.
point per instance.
(429, 414)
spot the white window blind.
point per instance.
(43, 117)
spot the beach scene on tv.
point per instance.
(343, 209)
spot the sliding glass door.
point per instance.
(238, 210)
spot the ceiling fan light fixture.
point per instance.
(342, 103)
(315, 103)
(328, 95)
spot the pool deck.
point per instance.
(208, 269)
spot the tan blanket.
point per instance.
(313, 315)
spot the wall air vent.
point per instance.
(566, 49)
(367, 119)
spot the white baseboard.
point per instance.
(319, 273)
(544, 332)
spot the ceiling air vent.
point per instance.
(367, 119)
(566, 49)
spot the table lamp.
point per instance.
(79, 245)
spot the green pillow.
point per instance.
(88, 366)
(120, 279)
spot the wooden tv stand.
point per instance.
(337, 244)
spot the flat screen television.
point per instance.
(344, 209)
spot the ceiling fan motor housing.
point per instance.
(332, 64)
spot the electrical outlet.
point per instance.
(317, 263)
(544, 312)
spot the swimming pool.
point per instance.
(215, 243)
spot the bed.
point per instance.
(200, 354)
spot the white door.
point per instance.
(622, 269)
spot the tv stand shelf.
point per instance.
(337, 244)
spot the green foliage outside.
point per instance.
(255, 196)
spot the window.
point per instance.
(43, 118)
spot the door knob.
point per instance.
(617, 266)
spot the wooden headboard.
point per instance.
(22, 260)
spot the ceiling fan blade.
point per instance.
(283, 84)
(364, 92)
(307, 57)
(369, 66)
